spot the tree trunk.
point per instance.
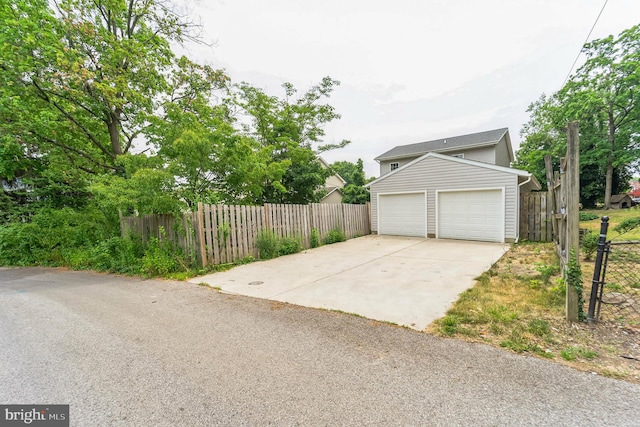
(608, 187)
(114, 132)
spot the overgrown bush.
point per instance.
(86, 239)
(116, 255)
(315, 238)
(161, 258)
(588, 216)
(268, 245)
(289, 245)
(334, 236)
(589, 244)
(52, 236)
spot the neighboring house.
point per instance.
(333, 185)
(635, 189)
(493, 146)
(621, 201)
(464, 189)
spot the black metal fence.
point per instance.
(615, 291)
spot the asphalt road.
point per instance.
(128, 352)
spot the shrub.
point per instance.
(117, 255)
(268, 245)
(547, 270)
(53, 236)
(289, 245)
(334, 236)
(627, 225)
(588, 216)
(589, 244)
(315, 238)
(161, 258)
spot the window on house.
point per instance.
(394, 166)
(460, 155)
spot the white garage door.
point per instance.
(402, 214)
(471, 215)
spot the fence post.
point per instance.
(199, 223)
(551, 202)
(572, 174)
(597, 270)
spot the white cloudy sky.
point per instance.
(410, 70)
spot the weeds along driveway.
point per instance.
(403, 280)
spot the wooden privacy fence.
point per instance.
(165, 226)
(536, 217)
(220, 234)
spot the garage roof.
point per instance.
(526, 177)
(490, 137)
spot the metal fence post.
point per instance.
(597, 270)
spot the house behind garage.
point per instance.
(459, 187)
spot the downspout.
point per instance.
(519, 190)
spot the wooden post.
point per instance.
(551, 199)
(199, 223)
(573, 216)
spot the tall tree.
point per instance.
(291, 130)
(353, 174)
(83, 78)
(603, 95)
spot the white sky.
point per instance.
(410, 70)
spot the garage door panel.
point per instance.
(402, 214)
(471, 215)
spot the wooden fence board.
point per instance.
(218, 234)
(535, 217)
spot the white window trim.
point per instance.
(394, 163)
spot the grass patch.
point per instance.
(519, 305)
(573, 353)
(616, 217)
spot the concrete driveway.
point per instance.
(404, 280)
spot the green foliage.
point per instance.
(627, 225)
(353, 192)
(115, 255)
(289, 245)
(161, 258)
(315, 238)
(50, 235)
(574, 279)
(589, 244)
(268, 245)
(519, 342)
(588, 216)
(604, 96)
(539, 328)
(288, 133)
(573, 353)
(334, 236)
(81, 80)
(449, 325)
(547, 270)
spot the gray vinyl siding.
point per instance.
(433, 174)
(502, 154)
(385, 165)
(480, 154)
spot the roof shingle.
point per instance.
(444, 144)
